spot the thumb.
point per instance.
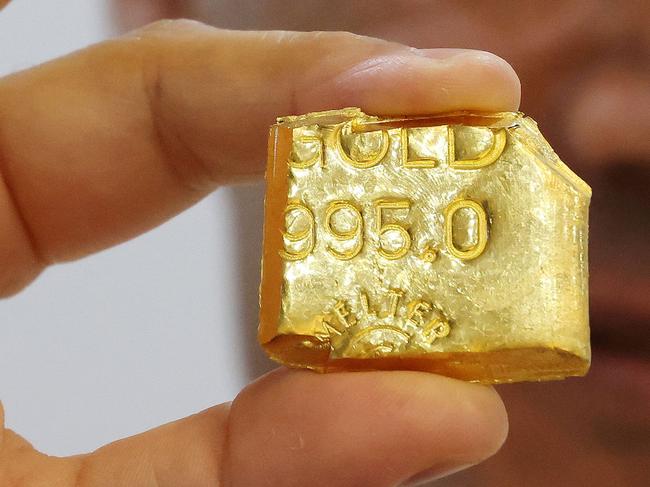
(294, 429)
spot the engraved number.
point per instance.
(306, 235)
(300, 241)
(477, 247)
(380, 207)
(353, 234)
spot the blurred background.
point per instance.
(164, 325)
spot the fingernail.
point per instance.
(441, 53)
(435, 473)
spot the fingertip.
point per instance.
(502, 76)
(411, 81)
(475, 418)
(477, 79)
(354, 428)
(487, 418)
(479, 432)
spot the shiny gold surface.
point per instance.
(455, 244)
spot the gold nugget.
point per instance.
(454, 244)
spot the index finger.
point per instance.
(106, 143)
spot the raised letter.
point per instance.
(484, 159)
(361, 163)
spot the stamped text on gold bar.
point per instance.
(455, 244)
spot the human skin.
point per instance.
(585, 71)
(134, 130)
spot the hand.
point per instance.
(106, 143)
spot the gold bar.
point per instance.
(454, 244)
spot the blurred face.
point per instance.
(585, 72)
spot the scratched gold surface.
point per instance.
(376, 255)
